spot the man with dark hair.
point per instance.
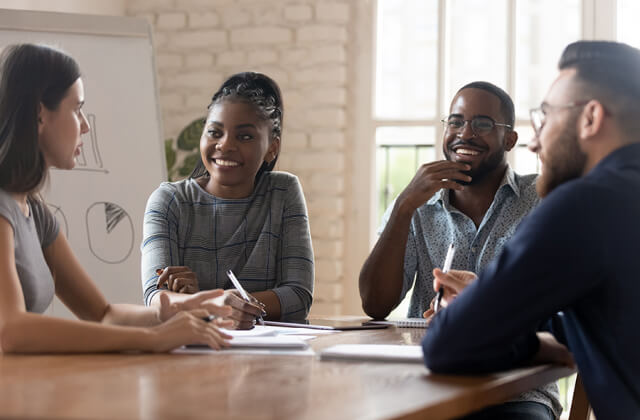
(575, 253)
(472, 199)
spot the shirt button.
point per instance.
(473, 249)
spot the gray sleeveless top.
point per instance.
(31, 235)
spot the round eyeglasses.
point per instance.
(480, 126)
(539, 115)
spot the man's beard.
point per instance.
(563, 163)
(488, 165)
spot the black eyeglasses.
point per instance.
(539, 115)
(481, 126)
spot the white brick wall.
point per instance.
(298, 13)
(204, 20)
(170, 21)
(321, 33)
(327, 11)
(303, 45)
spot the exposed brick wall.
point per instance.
(303, 45)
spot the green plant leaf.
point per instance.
(169, 153)
(189, 137)
(189, 163)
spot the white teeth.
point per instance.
(467, 152)
(221, 162)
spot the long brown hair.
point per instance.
(30, 76)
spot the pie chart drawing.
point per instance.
(62, 219)
(110, 232)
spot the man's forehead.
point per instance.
(559, 92)
(474, 101)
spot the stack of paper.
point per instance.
(264, 340)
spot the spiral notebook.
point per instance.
(403, 323)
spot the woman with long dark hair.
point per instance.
(41, 123)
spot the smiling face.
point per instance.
(234, 144)
(60, 130)
(486, 154)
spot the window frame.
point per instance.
(598, 22)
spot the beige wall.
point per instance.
(309, 48)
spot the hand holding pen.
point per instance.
(453, 281)
(246, 309)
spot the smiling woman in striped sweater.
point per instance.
(234, 213)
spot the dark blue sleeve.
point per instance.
(545, 266)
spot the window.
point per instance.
(427, 49)
(627, 28)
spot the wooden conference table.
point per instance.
(240, 386)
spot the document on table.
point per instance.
(263, 340)
(270, 331)
(374, 352)
(250, 351)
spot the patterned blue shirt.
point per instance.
(436, 224)
(263, 238)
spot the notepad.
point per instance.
(374, 352)
(404, 323)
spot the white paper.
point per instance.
(262, 352)
(375, 352)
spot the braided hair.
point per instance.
(260, 91)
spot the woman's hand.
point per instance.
(200, 301)
(243, 313)
(186, 327)
(179, 279)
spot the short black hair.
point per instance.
(610, 73)
(506, 103)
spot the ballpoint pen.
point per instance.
(243, 293)
(446, 267)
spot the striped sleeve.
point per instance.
(159, 238)
(294, 284)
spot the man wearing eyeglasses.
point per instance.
(473, 200)
(576, 253)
